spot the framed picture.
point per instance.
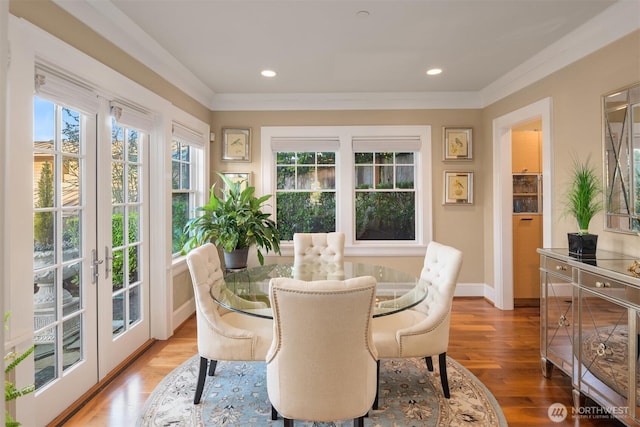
(244, 177)
(457, 143)
(236, 144)
(458, 188)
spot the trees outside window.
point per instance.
(371, 182)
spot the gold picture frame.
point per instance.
(458, 143)
(236, 144)
(458, 188)
(244, 177)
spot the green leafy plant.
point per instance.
(233, 221)
(11, 391)
(582, 199)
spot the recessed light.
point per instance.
(268, 73)
(434, 71)
(363, 13)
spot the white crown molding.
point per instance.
(108, 21)
(346, 101)
(614, 23)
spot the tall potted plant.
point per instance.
(234, 222)
(583, 203)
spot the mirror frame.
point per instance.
(621, 159)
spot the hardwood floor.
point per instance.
(500, 347)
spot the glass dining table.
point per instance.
(247, 291)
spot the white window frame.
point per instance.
(198, 153)
(312, 138)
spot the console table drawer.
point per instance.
(558, 267)
(610, 287)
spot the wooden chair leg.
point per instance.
(375, 401)
(288, 422)
(202, 375)
(429, 363)
(442, 363)
(212, 367)
(358, 422)
(274, 413)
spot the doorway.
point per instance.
(503, 194)
(526, 165)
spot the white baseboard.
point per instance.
(475, 290)
(183, 313)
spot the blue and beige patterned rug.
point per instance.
(237, 396)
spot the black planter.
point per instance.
(582, 245)
(236, 259)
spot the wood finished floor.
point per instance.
(500, 347)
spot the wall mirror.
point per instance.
(622, 159)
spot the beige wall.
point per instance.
(576, 127)
(460, 226)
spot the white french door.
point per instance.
(123, 244)
(64, 299)
(91, 263)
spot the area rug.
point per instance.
(237, 396)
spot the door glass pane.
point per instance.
(70, 181)
(72, 350)
(46, 366)
(70, 234)
(57, 248)
(134, 305)
(118, 313)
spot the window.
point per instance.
(372, 182)
(305, 192)
(385, 197)
(186, 180)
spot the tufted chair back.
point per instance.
(222, 334)
(424, 330)
(322, 363)
(318, 247)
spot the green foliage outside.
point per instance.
(180, 215)
(43, 221)
(385, 215)
(117, 230)
(305, 212)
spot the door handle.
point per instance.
(109, 258)
(95, 264)
(526, 219)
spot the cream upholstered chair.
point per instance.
(222, 334)
(322, 364)
(423, 331)
(318, 247)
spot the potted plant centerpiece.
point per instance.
(583, 203)
(235, 221)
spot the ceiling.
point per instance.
(217, 48)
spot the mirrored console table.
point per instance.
(589, 310)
